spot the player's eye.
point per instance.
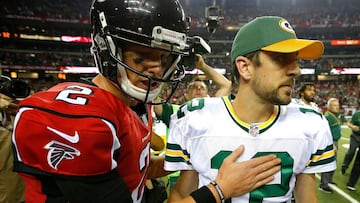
(138, 60)
(284, 58)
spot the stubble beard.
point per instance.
(273, 96)
(309, 99)
(277, 99)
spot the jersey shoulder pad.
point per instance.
(76, 99)
(198, 106)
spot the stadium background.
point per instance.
(46, 42)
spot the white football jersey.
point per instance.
(205, 131)
(300, 102)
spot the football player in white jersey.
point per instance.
(205, 131)
(307, 94)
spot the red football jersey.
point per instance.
(77, 129)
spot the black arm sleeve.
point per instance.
(108, 189)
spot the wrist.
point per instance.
(219, 191)
(205, 194)
(224, 188)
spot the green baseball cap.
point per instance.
(273, 33)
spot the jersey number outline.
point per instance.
(144, 161)
(268, 190)
(192, 105)
(66, 94)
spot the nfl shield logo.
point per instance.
(254, 130)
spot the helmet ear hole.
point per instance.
(99, 42)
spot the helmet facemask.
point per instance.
(109, 59)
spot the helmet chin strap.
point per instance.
(133, 91)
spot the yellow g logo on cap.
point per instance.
(285, 25)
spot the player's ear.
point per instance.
(243, 66)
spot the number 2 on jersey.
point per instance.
(67, 94)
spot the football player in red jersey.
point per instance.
(89, 141)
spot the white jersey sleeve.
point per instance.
(178, 157)
(323, 157)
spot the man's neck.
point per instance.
(105, 84)
(306, 102)
(250, 112)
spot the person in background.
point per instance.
(354, 175)
(12, 186)
(206, 130)
(354, 125)
(307, 94)
(331, 115)
(195, 89)
(90, 141)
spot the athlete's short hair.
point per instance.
(197, 80)
(304, 86)
(330, 101)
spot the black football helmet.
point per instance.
(159, 24)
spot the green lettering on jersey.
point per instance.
(275, 190)
(269, 190)
(192, 105)
(305, 110)
(217, 160)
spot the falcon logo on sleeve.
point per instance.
(59, 151)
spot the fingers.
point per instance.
(263, 159)
(266, 176)
(237, 178)
(263, 182)
(261, 163)
(265, 167)
(199, 61)
(265, 162)
(235, 154)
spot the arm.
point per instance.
(111, 187)
(156, 167)
(353, 127)
(305, 190)
(354, 122)
(186, 183)
(158, 108)
(223, 84)
(8, 104)
(164, 111)
(156, 142)
(4, 103)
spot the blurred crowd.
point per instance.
(84, 59)
(343, 16)
(340, 15)
(346, 91)
(311, 14)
